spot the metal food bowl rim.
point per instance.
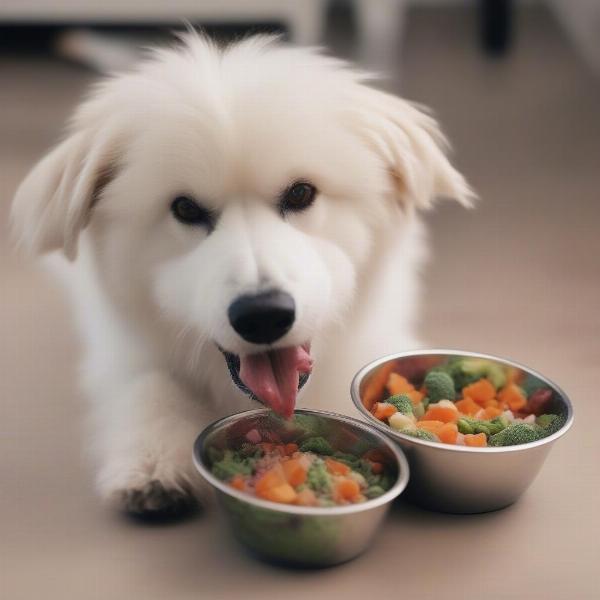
(391, 494)
(400, 437)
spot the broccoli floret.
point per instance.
(402, 402)
(232, 464)
(420, 434)
(550, 423)
(440, 386)
(465, 371)
(318, 478)
(318, 445)
(517, 433)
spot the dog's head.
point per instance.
(239, 191)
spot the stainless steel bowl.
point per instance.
(461, 479)
(298, 535)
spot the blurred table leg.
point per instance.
(496, 21)
(380, 25)
(307, 21)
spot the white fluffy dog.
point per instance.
(245, 214)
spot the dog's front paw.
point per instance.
(155, 501)
(152, 493)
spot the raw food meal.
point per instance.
(465, 401)
(307, 473)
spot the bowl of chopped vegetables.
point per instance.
(308, 491)
(476, 428)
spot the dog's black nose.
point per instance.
(262, 318)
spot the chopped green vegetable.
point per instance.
(497, 424)
(402, 403)
(440, 386)
(490, 427)
(467, 425)
(517, 433)
(465, 371)
(318, 445)
(420, 434)
(232, 464)
(550, 423)
(349, 459)
(317, 477)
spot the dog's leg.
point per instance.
(144, 433)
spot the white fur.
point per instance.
(232, 127)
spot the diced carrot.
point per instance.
(493, 403)
(441, 413)
(283, 493)
(467, 406)
(475, 439)
(513, 396)
(237, 482)
(491, 411)
(271, 478)
(335, 467)
(448, 433)
(347, 489)
(290, 449)
(376, 467)
(383, 410)
(306, 498)
(376, 385)
(481, 391)
(398, 384)
(431, 426)
(294, 471)
(415, 396)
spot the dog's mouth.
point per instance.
(272, 377)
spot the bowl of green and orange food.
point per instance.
(476, 428)
(311, 490)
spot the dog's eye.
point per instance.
(187, 211)
(298, 196)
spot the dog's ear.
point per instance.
(54, 202)
(412, 147)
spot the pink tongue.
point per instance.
(273, 376)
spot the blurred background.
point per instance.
(516, 88)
